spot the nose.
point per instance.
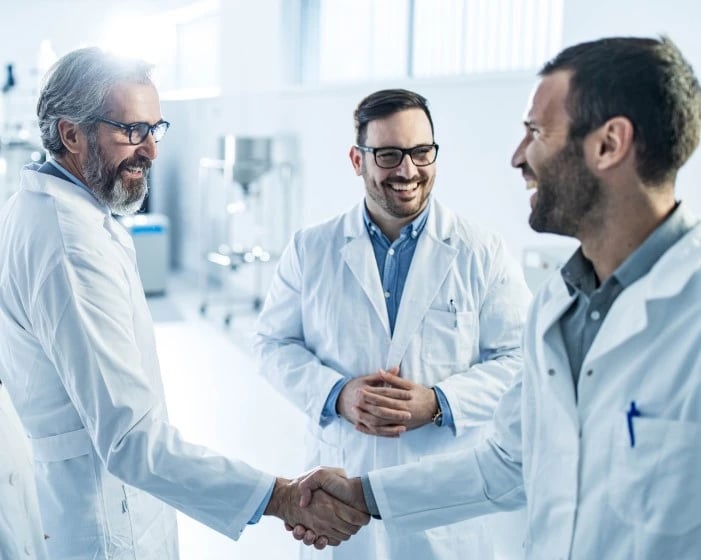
(148, 148)
(406, 167)
(518, 159)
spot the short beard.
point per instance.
(568, 194)
(107, 184)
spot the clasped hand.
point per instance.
(327, 482)
(384, 404)
(302, 503)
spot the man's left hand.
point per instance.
(422, 403)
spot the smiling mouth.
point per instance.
(134, 171)
(403, 187)
(531, 184)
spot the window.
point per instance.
(373, 39)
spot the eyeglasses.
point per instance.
(390, 157)
(138, 131)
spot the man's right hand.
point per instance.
(334, 483)
(384, 412)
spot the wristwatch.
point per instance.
(438, 417)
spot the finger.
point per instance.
(396, 381)
(379, 398)
(380, 416)
(332, 542)
(309, 537)
(298, 531)
(322, 542)
(388, 392)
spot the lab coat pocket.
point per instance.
(448, 337)
(655, 485)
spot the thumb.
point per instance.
(318, 478)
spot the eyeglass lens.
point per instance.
(392, 157)
(140, 131)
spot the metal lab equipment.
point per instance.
(150, 235)
(241, 232)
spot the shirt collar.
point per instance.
(69, 176)
(578, 273)
(412, 229)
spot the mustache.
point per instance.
(526, 170)
(405, 180)
(136, 161)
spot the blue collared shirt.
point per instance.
(393, 261)
(69, 176)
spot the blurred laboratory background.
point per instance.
(260, 97)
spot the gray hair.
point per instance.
(77, 88)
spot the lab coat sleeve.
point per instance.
(83, 317)
(473, 394)
(443, 489)
(284, 360)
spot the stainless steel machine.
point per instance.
(245, 212)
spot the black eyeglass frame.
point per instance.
(405, 152)
(132, 127)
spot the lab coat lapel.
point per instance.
(359, 256)
(628, 314)
(429, 267)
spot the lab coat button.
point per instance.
(589, 372)
(28, 549)
(551, 372)
(13, 478)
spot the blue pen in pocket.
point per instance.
(632, 413)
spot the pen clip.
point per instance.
(454, 310)
(632, 413)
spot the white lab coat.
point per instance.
(21, 533)
(590, 493)
(78, 356)
(325, 317)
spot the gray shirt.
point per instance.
(582, 320)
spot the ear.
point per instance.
(613, 143)
(72, 136)
(356, 157)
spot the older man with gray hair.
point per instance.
(77, 348)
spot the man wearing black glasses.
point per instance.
(77, 349)
(396, 326)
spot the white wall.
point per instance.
(478, 120)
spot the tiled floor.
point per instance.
(216, 399)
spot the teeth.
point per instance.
(404, 187)
(531, 184)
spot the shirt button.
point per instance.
(390, 252)
(551, 372)
(414, 234)
(387, 295)
(595, 315)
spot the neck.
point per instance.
(71, 164)
(623, 228)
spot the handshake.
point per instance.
(321, 507)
